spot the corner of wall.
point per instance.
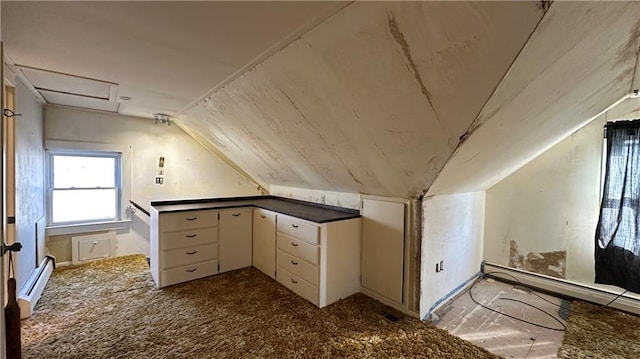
(453, 233)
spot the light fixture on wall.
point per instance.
(161, 118)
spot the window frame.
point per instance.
(123, 176)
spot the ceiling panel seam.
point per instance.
(474, 124)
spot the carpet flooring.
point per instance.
(111, 309)
(600, 333)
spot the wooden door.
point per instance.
(235, 239)
(264, 242)
(383, 232)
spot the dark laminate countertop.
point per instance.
(314, 212)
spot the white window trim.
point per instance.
(126, 151)
(87, 227)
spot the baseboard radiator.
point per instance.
(629, 302)
(34, 287)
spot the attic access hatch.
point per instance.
(71, 90)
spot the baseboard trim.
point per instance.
(438, 303)
(562, 287)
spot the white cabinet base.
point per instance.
(319, 262)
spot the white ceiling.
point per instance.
(164, 55)
(581, 60)
(386, 98)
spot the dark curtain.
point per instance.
(617, 253)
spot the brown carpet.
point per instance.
(600, 333)
(110, 309)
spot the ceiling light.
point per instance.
(161, 118)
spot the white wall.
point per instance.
(190, 170)
(29, 175)
(338, 199)
(551, 204)
(453, 228)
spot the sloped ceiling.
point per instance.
(581, 59)
(164, 55)
(373, 100)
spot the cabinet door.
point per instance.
(264, 241)
(383, 248)
(235, 239)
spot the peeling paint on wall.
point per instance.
(552, 264)
(544, 5)
(631, 47)
(398, 36)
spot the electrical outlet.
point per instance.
(159, 180)
(323, 198)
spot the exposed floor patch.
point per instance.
(499, 334)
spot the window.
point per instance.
(88, 186)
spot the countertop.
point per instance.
(314, 212)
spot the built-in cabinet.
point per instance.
(184, 246)
(235, 238)
(264, 241)
(384, 250)
(318, 261)
(298, 257)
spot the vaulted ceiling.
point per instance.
(386, 98)
(373, 100)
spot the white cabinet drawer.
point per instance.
(177, 221)
(298, 285)
(302, 250)
(298, 267)
(188, 238)
(187, 273)
(183, 256)
(299, 229)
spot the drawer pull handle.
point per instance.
(294, 225)
(294, 281)
(294, 263)
(263, 216)
(294, 244)
(191, 218)
(192, 270)
(192, 253)
(236, 214)
(191, 235)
